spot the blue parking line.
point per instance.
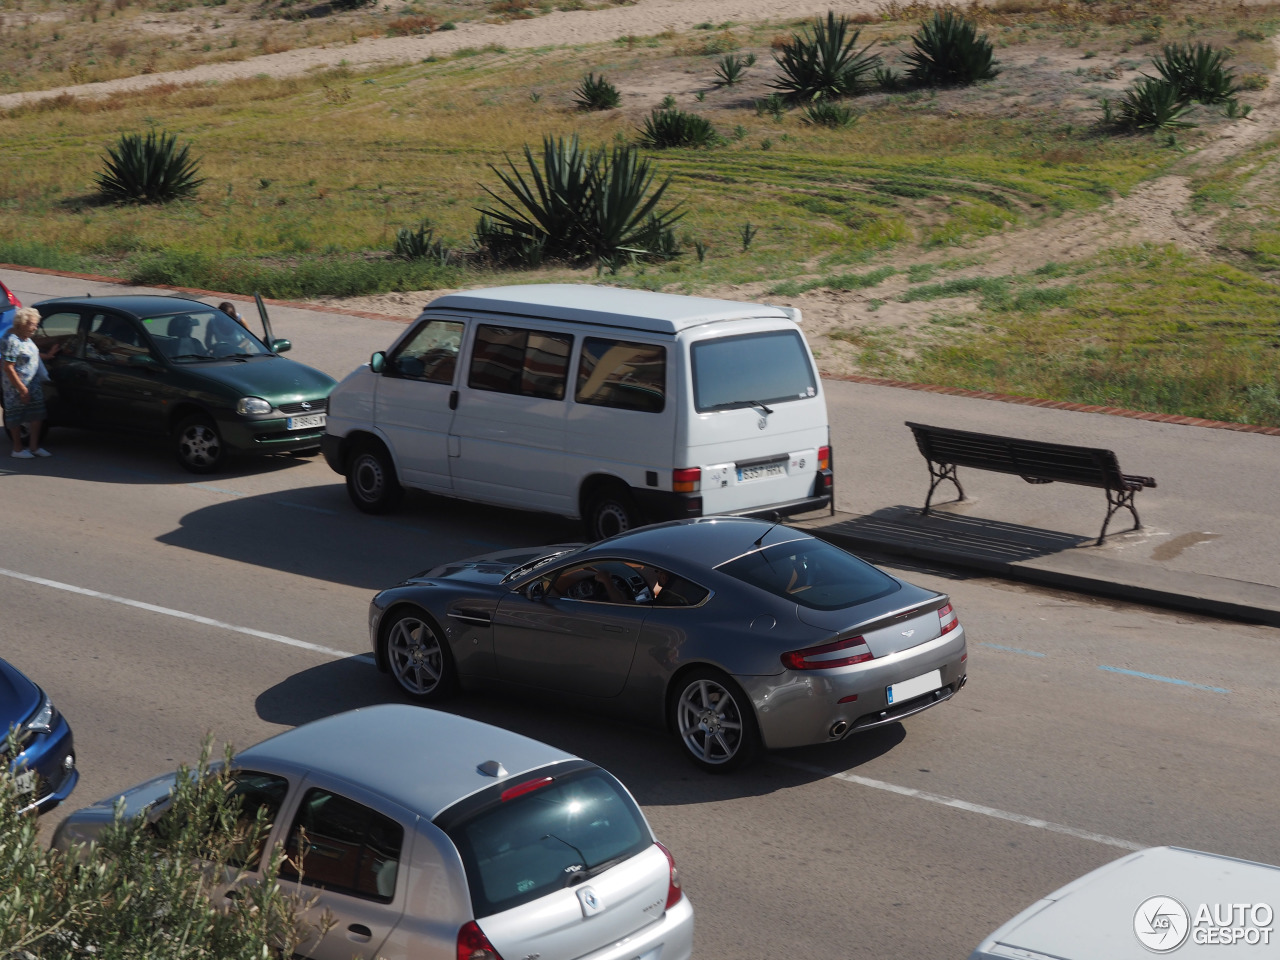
(1154, 676)
(996, 646)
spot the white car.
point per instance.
(428, 835)
(1160, 901)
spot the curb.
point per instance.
(1152, 586)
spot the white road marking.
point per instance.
(901, 791)
(968, 807)
(183, 615)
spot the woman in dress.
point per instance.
(19, 376)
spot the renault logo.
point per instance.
(590, 902)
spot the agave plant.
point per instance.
(596, 93)
(730, 68)
(1198, 71)
(420, 244)
(576, 205)
(149, 169)
(677, 128)
(949, 52)
(825, 113)
(1151, 103)
(823, 62)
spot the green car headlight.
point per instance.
(248, 406)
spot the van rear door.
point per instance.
(757, 419)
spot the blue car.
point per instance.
(45, 767)
(9, 305)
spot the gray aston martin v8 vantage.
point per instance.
(735, 633)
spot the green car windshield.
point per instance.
(201, 335)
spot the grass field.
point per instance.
(309, 179)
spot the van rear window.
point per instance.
(733, 372)
(544, 834)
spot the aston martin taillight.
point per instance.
(948, 619)
(839, 653)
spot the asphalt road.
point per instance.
(157, 608)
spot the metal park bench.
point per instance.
(1034, 461)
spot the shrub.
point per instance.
(596, 94)
(824, 113)
(822, 63)
(730, 68)
(149, 169)
(677, 128)
(1151, 103)
(1198, 71)
(142, 891)
(948, 52)
(577, 205)
(420, 244)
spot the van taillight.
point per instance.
(674, 891)
(686, 480)
(824, 458)
(947, 620)
(474, 945)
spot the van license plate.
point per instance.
(759, 471)
(305, 423)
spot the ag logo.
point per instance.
(1161, 924)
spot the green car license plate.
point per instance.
(309, 422)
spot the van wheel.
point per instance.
(371, 479)
(610, 511)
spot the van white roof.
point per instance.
(606, 306)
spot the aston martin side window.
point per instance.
(430, 354)
(340, 845)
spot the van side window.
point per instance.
(524, 362)
(430, 354)
(622, 374)
(338, 844)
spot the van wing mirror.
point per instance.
(378, 362)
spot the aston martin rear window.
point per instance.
(812, 573)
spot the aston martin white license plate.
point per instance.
(309, 422)
(898, 692)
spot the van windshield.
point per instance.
(750, 370)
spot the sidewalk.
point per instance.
(1210, 540)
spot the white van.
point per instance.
(621, 407)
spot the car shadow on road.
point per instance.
(316, 532)
(646, 759)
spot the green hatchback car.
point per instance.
(175, 367)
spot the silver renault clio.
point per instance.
(429, 835)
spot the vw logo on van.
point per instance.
(762, 423)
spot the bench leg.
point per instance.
(1116, 500)
(938, 473)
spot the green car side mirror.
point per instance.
(280, 345)
(143, 360)
(377, 362)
